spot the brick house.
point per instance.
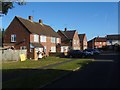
(30, 35)
(83, 41)
(113, 39)
(97, 42)
(69, 40)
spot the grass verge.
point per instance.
(38, 77)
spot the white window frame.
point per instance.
(58, 40)
(36, 38)
(13, 38)
(43, 38)
(53, 39)
(53, 48)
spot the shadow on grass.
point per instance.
(31, 78)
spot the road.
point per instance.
(102, 73)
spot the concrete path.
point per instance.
(103, 73)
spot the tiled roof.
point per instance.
(113, 37)
(69, 34)
(100, 39)
(37, 28)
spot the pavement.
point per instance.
(104, 72)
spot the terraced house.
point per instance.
(69, 40)
(83, 41)
(30, 35)
(97, 42)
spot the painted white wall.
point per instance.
(112, 42)
(64, 48)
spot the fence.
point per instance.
(11, 55)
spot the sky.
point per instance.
(92, 18)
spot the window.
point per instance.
(53, 49)
(53, 39)
(74, 41)
(42, 38)
(23, 47)
(13, 38)
(36, 38)
(58, 40)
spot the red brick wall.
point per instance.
(76, 38)
(21, 33)
(48, 43)
(100, 45)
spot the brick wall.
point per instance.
(21, 34)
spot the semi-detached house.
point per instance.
(30, 35)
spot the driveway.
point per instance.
(102, 73)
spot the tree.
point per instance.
(9, 4)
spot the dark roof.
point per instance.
(113, 37)
(69, 34)
(81, 36)
(100, 39)
(37, 28)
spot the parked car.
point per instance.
(75, 54)
(91, 52)
(88, 53)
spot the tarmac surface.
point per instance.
(104, 72)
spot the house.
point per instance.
(83, 41)
(97, 42)
(113, 42)
(113, 39)
(30, 35)
(69, 40)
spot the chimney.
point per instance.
(65, 29)
(40, 21)
(30, 18)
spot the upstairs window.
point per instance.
(36, 38)
(58, 40)
(52, 39)
(13, 38)
(42, 38)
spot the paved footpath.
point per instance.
(103, 73)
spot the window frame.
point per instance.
(13, 37)
(36, 36)
(53, 38)
(43, 38)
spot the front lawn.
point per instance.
(32, 63)
(33, 78)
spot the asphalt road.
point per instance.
(102, 73)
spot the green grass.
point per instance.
(39, 77)
(32, 63)
(72, 65)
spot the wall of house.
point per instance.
(100, 44)
(48, 44)
(21, 34)
(91, 44)
(84, 43)
(112, 42)
(75, 42)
